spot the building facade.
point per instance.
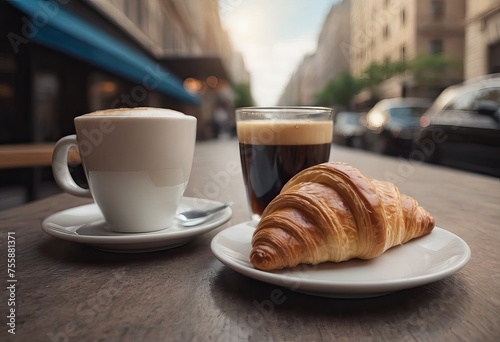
(330, 58)
(482, 38)
(393, 30)
(187, 37)
(402, 29)
(63, 58)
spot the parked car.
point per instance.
(348, 129)
(462, 128)
(393, 124)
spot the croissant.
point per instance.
(331, 212)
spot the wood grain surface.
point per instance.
(31, 155)
(71, 292)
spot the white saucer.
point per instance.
(94, 231)
(418, 262)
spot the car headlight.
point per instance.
(376, 119)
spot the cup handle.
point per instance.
(60, 169)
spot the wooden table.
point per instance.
(71, 292)
(31, 155)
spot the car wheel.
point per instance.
(357, 142)
(348, 141)
(427, 155)
(434, 157)
(380, 144)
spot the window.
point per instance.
(103, 91)
(402, 54)
(436, 46)
(386, 32)
(469, 101)
(494, 56)
(133, 11)
(437, 9)
(489, 94)
(407, 112)
(403, 17)
(463, 102)
(46, 99)
(11, 126)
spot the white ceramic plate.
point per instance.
(418, 262)
(86, 224)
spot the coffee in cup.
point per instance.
(137, 162)
(278, 142)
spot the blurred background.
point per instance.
(408, 78)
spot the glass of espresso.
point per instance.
(278, 142)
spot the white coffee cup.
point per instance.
(137, 162)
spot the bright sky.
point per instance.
(273, 36)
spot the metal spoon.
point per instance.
(194, 217)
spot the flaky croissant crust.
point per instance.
(331, 212)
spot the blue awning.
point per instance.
(63, 31)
